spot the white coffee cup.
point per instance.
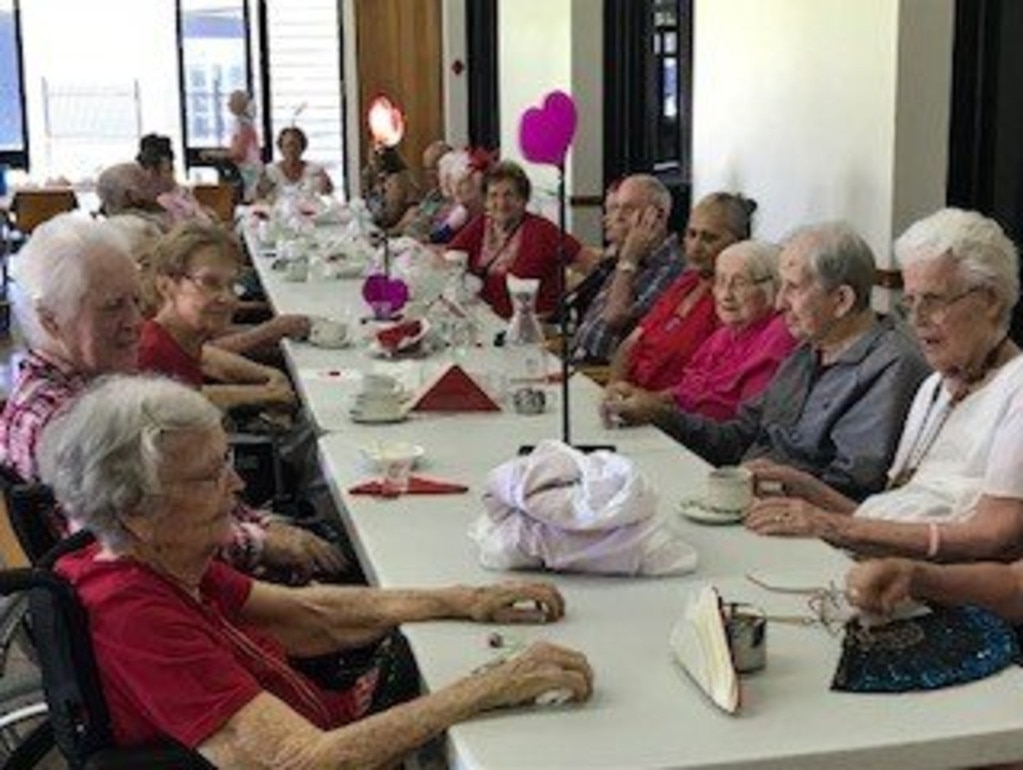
(381, 405)
(327, 333)
(729, 489)
(384, 384)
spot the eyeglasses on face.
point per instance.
(212, 284)
(933, 306)
(740, 284)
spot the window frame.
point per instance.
(193, 154)
(19, 158)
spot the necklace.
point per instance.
(936, 417)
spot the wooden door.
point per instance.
(398, 48)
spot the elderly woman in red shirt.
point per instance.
(191, 650)
(508, 240)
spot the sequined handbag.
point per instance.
(945, 647)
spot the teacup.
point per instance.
(374, 383)
(729, 489)
(328, 333)
(378, 405)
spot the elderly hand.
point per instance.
(291, 325)
(645, 233)
(786, 516)
(294, 548)
(278, 391)
(540, 668)
(626, 403)
(515, 603)
(879, 586)
(772, 478)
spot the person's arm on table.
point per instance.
(271, 332)
(619, 366)
(995, 530)
(245, 382)
(321, 619)
(881, 585)
(266, 733)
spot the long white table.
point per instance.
(645, 712)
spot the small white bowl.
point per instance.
(373, 455)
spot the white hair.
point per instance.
(980, 249)
(761, 260)
(102, 457)
(452, 167)
(654, 189)
(51, 272)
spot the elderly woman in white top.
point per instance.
(292, 172)
(955, 488)
(189, 649)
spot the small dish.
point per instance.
(697, 510)
(373, 455)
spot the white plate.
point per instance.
(377, 419)
(373, 454)
(695, 510)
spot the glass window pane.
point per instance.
(214, 57)
(12, 127)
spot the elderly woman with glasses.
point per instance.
(738, 360)
(190, 276)
(955, 487)
(191, 650)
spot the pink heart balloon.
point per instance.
(387, 296)
(546, 132)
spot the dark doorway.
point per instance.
(986, 141)
(648, 94)
(484, 89)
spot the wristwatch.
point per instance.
(625, 266)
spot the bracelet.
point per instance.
(933, 539)
(624, 266)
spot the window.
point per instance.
(13, 134)
(215, 60)
(670, 41)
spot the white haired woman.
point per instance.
(191, 650)
(955, 487)
(738, 360)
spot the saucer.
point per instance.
(696, 510)
(369, 418)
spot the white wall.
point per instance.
(456, 91)
(535, 42)
(824, 109)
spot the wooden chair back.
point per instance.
(33, 207)
(219, 198)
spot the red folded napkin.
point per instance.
(417, 485)
(392, 337)
(453, 390)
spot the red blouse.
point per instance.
(159, 352)
(535, 247)
(666, 340)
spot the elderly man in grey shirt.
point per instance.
(648, 261)
(836, 406)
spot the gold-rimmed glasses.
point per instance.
(212, 284)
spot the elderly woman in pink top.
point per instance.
(738, 360)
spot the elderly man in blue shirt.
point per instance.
(836, 407)
(648, 260)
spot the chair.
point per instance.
(78, 723)
(29, 516)
(30, 208)
(219, 198)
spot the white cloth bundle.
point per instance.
(564, 510)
